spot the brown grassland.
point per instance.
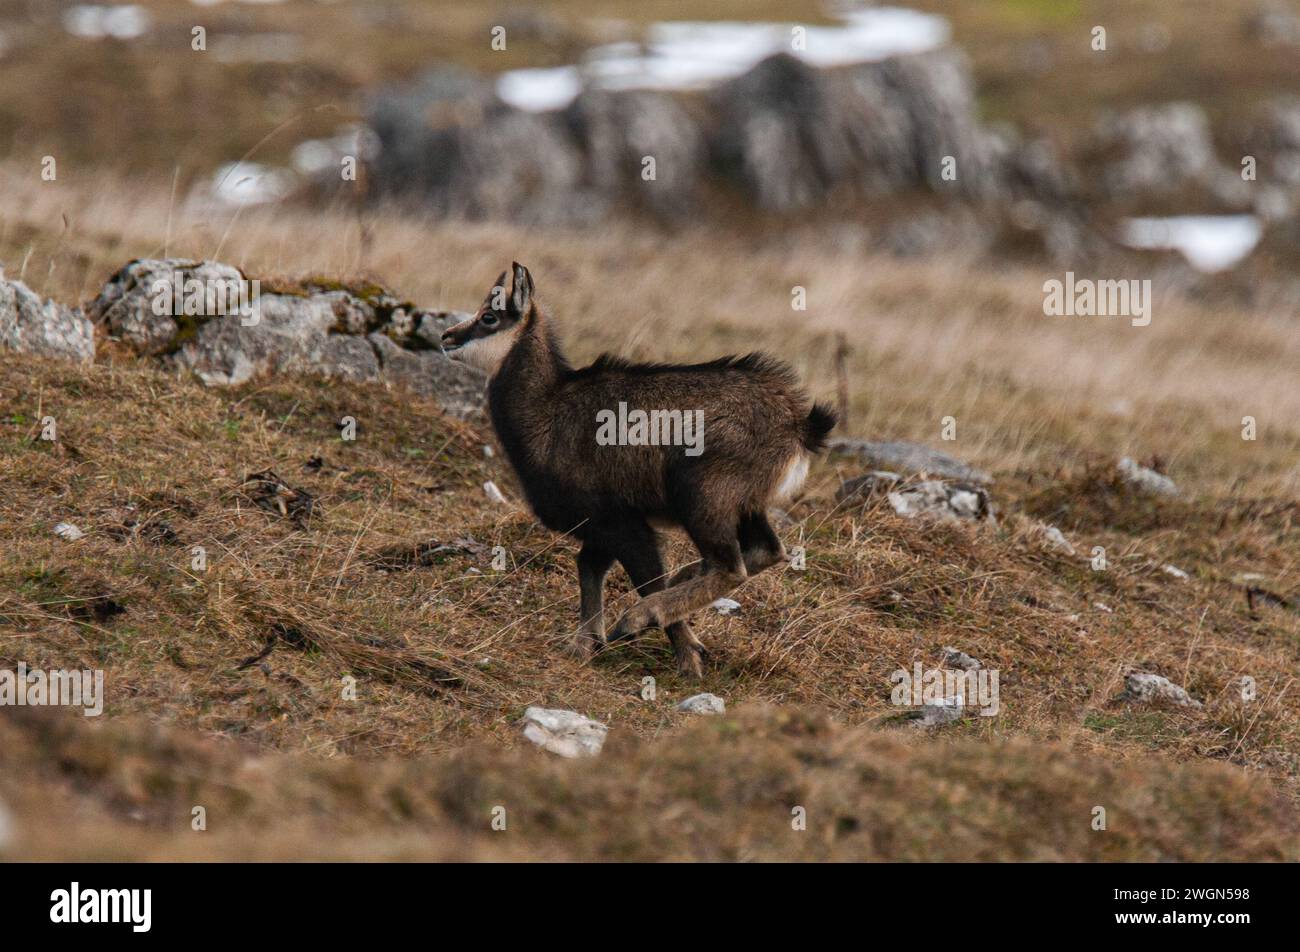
(448, 655)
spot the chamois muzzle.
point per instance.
(454, 338)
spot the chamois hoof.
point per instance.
(690, 666)
(580, 648)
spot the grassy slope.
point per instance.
(1045, 404)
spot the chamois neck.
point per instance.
(535, 363)
(522, 393)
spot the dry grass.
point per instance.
(713, 791)
(447, 655)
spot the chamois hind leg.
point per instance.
(643, 560)
(760, 546)
(593, 566)
(723, 570)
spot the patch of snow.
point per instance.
(317, 156)
(95, 22)
(684, 54)
(249, 183)
(537, 90)
(1209, 242)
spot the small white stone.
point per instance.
(954, 658)
(1103, 607)
(66, 530)
(725, 606)
(703, 704)
(1054, 538)
(1145, 480)
(1175, 571)
(494, 494)
(566, 733)
(942, 711)
(488, 451)
(1145, 687)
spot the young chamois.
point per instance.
(756, 430)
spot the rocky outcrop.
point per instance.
(925, 498)
(1155, 148)
(906, 458)
(210, 319)
(128, 305)
(43, 328)
(619, 132)
(787, 134)
(449, 140)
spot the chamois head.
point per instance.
(483, 340)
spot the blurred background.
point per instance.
(1073, 128)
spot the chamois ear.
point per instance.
(496, 297)
(522, 293)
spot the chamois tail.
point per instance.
(821, 420)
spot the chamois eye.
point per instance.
(489, 319)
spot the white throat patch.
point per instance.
(487, 353)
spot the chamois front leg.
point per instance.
(593, 566)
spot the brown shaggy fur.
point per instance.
(758, 430)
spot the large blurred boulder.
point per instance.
(1154, 149)
(1276, 137)
(618, 131)
(938, 94)
(1273, 23)
(449, 139)
(792, 133)
(908, 458)
(778, 133)
(29, 325)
